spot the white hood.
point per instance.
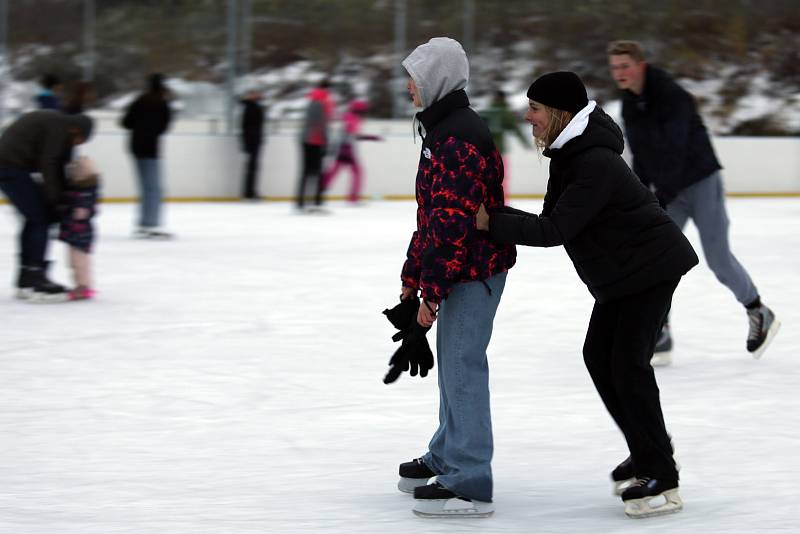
(438, 68)
(575, 127)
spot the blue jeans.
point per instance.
(149, 174)
(28, 198)
(460, 452)
(704, 203)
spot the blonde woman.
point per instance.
(631, 257)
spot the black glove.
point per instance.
(414, 354)
(402, 315)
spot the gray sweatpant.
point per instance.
(704, 202)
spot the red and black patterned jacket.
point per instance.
(459, 169)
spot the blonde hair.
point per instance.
(630, 48)
(559, 119)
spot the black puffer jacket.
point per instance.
(616, 234)
(148, 118)
(670, 145)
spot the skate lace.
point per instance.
(756, 320)
(640, 482)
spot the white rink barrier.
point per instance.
(203, 166)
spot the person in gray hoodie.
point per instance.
(38, 142)
(460, 275)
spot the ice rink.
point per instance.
(229, 381)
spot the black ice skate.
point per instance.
(34, 286)
(622, 476)
(414, 474)
(763, 327)
(434, 500)
(652, 496)
(662, 354)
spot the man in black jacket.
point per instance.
(38, 142)
(252, 137)
(672, 154)
(148, 118)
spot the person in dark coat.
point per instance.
(626, 250)
(252, 137)
(672, 154)
(38, 142)
(82, 97)
(460, 274)
(148, 118)
(50, 95)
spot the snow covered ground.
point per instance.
(230, 382)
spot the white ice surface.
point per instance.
(230, 382)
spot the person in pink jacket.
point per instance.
(346, 153)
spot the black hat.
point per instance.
(560, 90)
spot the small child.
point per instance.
(80, 197)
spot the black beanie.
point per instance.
(560, 90)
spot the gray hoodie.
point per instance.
(438, 68)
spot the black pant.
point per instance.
(251, 172)
(28, 198)
(312, 169)
(619, 345)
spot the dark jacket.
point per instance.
(616, 234)
(147, 118)
(459, 169)
(670, 145)
(41, 141)
(252, 125)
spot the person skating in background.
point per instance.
(50, 95)
(82, 97)
(148, 118)
(346, 154)
(630, 255)
(38, 142)
(314, 141)
(460, 272)
(672, 154)
(252, 139)
(80, 206)
(501, 121)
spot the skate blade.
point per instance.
(25, 293)
(776, 325)
(661, 359)
(446, 508)
(622, 485)
(641, 508)
(43, 298)
(407, 485)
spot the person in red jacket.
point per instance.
(314, 141)
(460, 274)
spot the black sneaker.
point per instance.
(434, 500)
(623, 476)
(763, 327)
(652, 496)
(414, 474)
(662, 354)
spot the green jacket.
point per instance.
(501, 120)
